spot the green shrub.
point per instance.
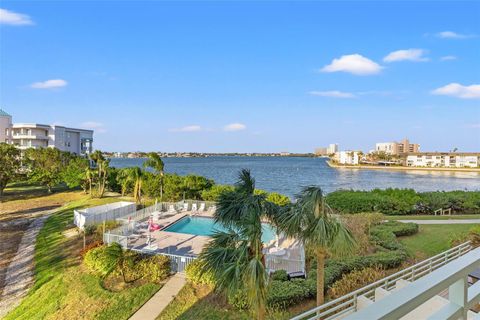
(151, 268)
(238, 300)
(98, 261)
(135, 266)
(355, 280)
(404, 201)
(385, 235)
(196, 274)
(282, 294)
(280, 275)
(278, 199)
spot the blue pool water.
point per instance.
(202, 226)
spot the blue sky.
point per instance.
(246, 76)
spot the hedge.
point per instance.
(150, 268)
(404, 201)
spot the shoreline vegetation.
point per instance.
(401, 168)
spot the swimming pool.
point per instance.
(203, 226)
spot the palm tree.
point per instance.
(135, 175)
(117, 258)
(155, 162)
(235, 256)
(102, 170)
(310, 220)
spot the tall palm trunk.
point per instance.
(320, 276)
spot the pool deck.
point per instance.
(183, 244)
(169, 242)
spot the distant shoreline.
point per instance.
(401, 168)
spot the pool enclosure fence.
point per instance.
(106, 212)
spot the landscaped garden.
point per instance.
(347, 244)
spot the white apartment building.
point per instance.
(332, 148)
(444, 159)
(347, 157)
(34, 135)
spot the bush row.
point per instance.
(134, 266)
(404, 201)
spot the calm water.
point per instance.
(202, 226)
(287, 175)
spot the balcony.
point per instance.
(436, 288)
(29, 136)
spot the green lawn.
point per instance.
(199, 302)
(62, 289)
(433, 239)
(432, 217)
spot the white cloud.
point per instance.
(416, 55)
(49, 84)
(453, 35)
(191, 128)
(235, 127)
(459, 91)
(332, 94)
(98, 127)
(353, 63)
(14, 19)
(447, 58)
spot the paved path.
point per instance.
(452, 221)
(19, 275)
(153, 307)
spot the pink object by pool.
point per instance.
(154, 227)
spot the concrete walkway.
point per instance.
(153, 307)
(19, 275)
(452, 221)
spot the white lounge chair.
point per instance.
(185, 206)
(171, 209)
(202, 206)
(194, 207)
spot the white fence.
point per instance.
(99, 214)
(178, 262)
(348, 303)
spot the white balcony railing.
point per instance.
(348, 303)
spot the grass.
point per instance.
(199, 302)
(22, 200)
(62, 289)
(433, 239)
(432, 217)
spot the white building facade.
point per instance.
(332, 148)
(34, 135)
(348, 157)
(444, 159)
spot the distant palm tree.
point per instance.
(155, 162)
(310, 220)
(135, 175)
(236, 256)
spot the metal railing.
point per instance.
(415, 300)
(348, 303)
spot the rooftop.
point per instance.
(4, 113)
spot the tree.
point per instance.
(117, 258)
(155, 162)
(135, 175)
(75, 174)
(99, 177)
(236, 256)
(9, 164)
(311, 220)
(45, 165)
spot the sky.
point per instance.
(227, 76)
